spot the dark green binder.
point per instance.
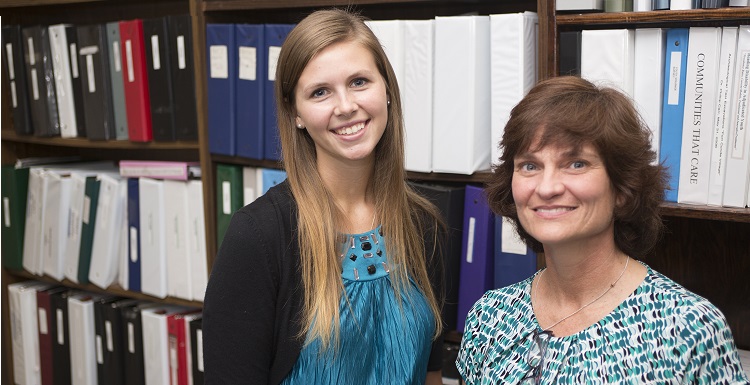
(15, 183)
(87, 229)
(228, 196)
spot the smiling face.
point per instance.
(340, 99)
(563, 196)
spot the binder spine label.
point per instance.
(108, 336)
(133, 244)
(60, 327)
(219, 62)
(42, 320)
(248, 63)
(99, 352)
(129, 60)
(131, 338)
(273, 59)
(226, 197)
(470, 240)
(155, 52)
(199, 338)
(181, 52)
(740, 131)
(34, 84)
(674, 78)
(6, 212)
(116, 54)
(73, 61)
(9, 55)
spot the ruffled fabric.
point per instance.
(382, 340)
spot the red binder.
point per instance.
(178, 350)
(135, 81)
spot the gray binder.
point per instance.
(115, 71)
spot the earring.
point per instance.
(388, 102)
(299, 125)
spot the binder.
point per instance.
(177, 239)
(673, 106)
(159, 77)
(156, 343)
(113, 341)
(116, 78)
(46, 335)
(250, 101)
(14, 185)
(76, 80)
(513, 45)
(648, 85)
(221, 88)
(178, 343)
(60, 337)
(607, 58)
(462, 95)
(661, 4)
(153, 245)
(134, 235)
(156, 169)
(133, 333)
(105, 249)
(43, 100)
(724, 111)
(250, 185)
(32, 240)
(684, 4)
(88, 226)
(618, 5)
(417, 91)
(63, 75)
(642, 6)
(450, 203)
(135, 81)
(15, 72)
(514, 261)
(100, 339)
(738, 160)
(228, 196)
(93, 61)
(714, 3)
(570, 53)
(78, 204)
(25, 327)
(275, 34)
(579, 5)
(180, 34)
(477, 248)
(55, 219)
(196, 240)
(81, 321)
(196, 349)
(270, 177)
(701, 82)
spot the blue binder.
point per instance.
(477, 247)
(251, 68)
(510, 265)
(134, 236)
(274, 37)
(271, 177)
(222, 70)
(673, 106)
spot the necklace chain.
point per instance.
(612, 285)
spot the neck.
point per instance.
(350, 188)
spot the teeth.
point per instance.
(351, 129)
(556, 210)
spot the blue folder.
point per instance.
(251, 68)
(511, 266)
(477, 248)
(274, 37)
(221, 63)
(134, 236)
(673, 107)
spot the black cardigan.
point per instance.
(257, 271)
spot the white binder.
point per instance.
(63, 81)
(513, 44)
(156, 343)
(153, 244)
(107, 244)
(250, 187)
(607, 57)
(461, 120)
(738, 160)
(648, 75)
(82, 338)
(56, 220)
(25, 331)
(417, 92)
(197, 239)
(177, 239)
(32, 237)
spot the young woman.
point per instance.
(328, 277)
(578, 179)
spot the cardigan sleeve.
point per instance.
(239, 308)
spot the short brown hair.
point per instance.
(571, 111)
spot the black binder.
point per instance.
(570, 53)
(450, 202)
(93, 59)
(158, 68)
(71, 34)
(14, 71)
(196, 349)
(60, 337)
(183, 76)
(41, 82)
(132, 332)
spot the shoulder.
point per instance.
(495, 307)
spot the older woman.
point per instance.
(578, 179)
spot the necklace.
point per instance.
(586, 305)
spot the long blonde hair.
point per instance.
(405, 216)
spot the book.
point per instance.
(116, 77)
(93, 59)
(14, 185)
(135, 81)
(722, 115)
(158, 69)
(274, 35)
(61, 64)
(41, 75)
(180, 34)
(14, 71)
(738, 154)
(159, 169)
(513, 47)
(221, 88)
(648, 85)
(251, 59)
(698, 118)
(673, 107)
(461, 95)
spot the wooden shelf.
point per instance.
(114, 290)
(706, 212)
(741, 15)
(11, 136)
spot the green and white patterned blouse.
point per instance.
(660, 334)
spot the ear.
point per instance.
(298, 122)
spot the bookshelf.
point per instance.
(706, 249)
